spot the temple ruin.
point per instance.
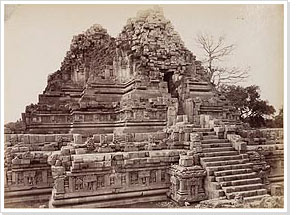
(135, 119)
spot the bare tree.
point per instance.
(217, 50)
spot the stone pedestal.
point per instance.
(187, 181)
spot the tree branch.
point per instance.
(216, 51)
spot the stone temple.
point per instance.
(135, 119)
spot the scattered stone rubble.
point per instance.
(266, 202)
(135, 119)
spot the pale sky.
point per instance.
(36, 38)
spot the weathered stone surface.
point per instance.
(134, 119)
(266, 202)
(187, 181)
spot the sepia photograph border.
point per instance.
(285, 210)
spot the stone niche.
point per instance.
(187, 181)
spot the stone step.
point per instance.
(224, 163)
(218, 149)
(240, 188)
(232, 172)
(248, 193)
(221, 153)
(210, 137)
(255, 198)
(229, 167)
(216, 145)
(216, 140)
(224, 158)
(201, 129)
(236, 177)
(241, 182)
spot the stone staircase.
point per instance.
(229, 173)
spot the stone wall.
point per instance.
(107, 175)
(26, 170)
(138, 76)
(265, 148)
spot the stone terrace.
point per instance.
(136, 119)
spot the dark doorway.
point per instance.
(168, 77)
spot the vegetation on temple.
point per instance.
(17, 127)
(253, 110)
(215, 51)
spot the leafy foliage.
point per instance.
(253, 109)
(279, 119)
(15, 127)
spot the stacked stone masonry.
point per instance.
(135, 119)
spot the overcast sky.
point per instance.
(38, 36)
